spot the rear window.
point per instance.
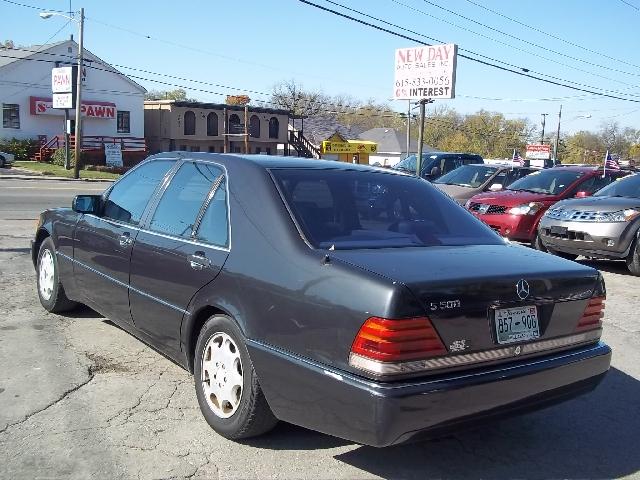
(550, 182)
(339, 209)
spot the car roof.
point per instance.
(270, 161)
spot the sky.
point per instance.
(215, 48)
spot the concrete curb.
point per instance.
(36, 176)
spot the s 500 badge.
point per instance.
(444, 305)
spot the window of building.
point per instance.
(212, 149)
(10, 115)
(254, 126)
(123, 121)
(234, 124)
(195, 148)
(181, 202)
(237, 149)
(274, 127)
(212, 124)
(129, 197)
(189, 123)
(268, 150)
(258, 149)
(183, 148)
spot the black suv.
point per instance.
(436, 164)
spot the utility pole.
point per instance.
(78, 133)
(408, 126)
(422, 103)
(555, 150)
(544, 119)
(246, 129)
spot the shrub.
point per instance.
(22, 149)
(105, 168)
(58, 157)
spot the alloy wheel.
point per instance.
(222, 375)
(46, 272)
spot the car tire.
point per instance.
(537, 243)
(50, 290)
(633, 259)
(227, 386)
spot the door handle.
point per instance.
(198, 261)
(125, 239)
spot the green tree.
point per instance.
(178, 94)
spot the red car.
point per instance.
(515, 212)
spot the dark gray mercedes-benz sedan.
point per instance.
(269, 279)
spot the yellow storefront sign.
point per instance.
(350, 146)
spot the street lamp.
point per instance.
(78, 132)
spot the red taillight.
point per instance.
(593, 314)
(388, 340)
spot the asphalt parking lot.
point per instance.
(81, 398)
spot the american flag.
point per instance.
(516, 158)
(610, 163)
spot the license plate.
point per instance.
(517, 324)
(557, 230)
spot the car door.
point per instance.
(103, 243)
(182, 248)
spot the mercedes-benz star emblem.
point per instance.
(522, 289)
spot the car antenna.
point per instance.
(326, 260)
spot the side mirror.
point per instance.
(86, 204)
(583, 194)
(495, 187)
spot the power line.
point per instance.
(31, 6)
(526, 41)
(524, 73)
(555, 37)
(630, 4)
(391, 114)
(588, 72)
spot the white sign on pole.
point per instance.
(113, 154)
(538, 152)
(62, 80)
(62, 100)
(425, 72)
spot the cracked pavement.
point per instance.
(80, 398)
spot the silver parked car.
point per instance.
(468, 180)
(6, 159)
(605, 225)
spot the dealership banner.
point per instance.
(90, 108)
(538, 152)
(425, 72)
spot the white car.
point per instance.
(5, 159)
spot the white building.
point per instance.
(392, 145)
(112, 104)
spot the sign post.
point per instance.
(63, 81)
(425, 73)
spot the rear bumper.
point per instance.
(387, 413)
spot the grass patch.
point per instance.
(58, 171)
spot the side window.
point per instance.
(450, 164)
(586, 186)
(129, 197)
(600, 182)
(501, 178)
(214, 226)
(180, 204)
